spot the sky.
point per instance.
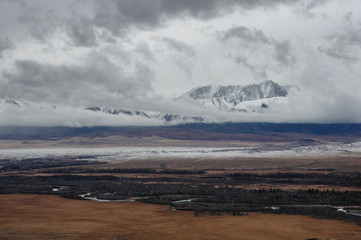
(140, 54)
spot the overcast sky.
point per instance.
(139, 53)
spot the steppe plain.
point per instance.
(44, 216)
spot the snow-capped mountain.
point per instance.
(206, 103)
(233, 97)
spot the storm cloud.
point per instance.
(83, 22)
(142, 54)
(119, 16)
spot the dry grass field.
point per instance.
(53, 217)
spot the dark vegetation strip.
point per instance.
(120, 188)
(85, 167)
(232, 179)
(71, 166)
(332, 179)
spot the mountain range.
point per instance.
(210, 99)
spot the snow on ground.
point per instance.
(352, 147)
(128, 153)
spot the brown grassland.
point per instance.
(53, 217)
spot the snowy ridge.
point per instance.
(19, 113)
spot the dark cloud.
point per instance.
(96, 82)
(119, 16)
(46, 21)
(5, 44)
(179, 46)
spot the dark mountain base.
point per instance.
(197, 131)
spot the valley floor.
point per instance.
(226, 189)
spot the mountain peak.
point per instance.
(229, 96)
